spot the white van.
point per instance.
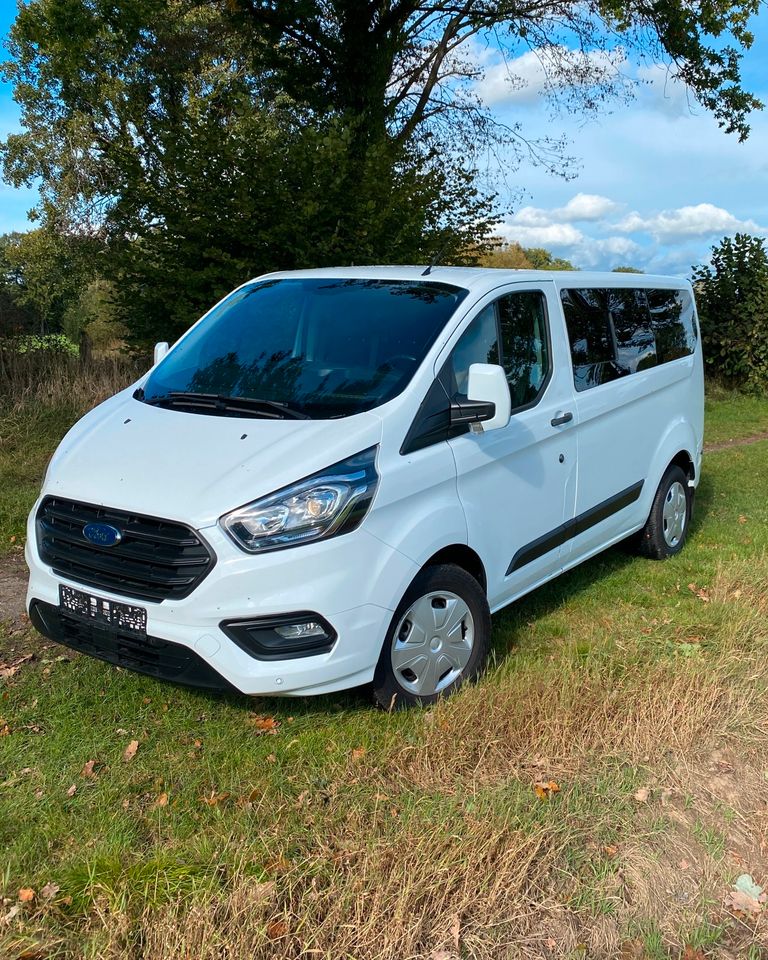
(336, 476)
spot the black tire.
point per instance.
(655, 540)
(397, 688)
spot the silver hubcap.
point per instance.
(433, 643)
(674, 513)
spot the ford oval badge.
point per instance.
(102, 534)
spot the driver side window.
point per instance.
(511, 331)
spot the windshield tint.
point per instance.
(325, 347)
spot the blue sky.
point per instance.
(658, 183)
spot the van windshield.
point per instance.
(319, 348)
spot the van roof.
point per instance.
(481, 279)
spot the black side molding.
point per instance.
(572, 528)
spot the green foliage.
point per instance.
(94, 315)
(47, 270)
(46, 343)
(511, 256)
(205, 142)
(15, 317)
(624, 269)
(732, 299)
(543, 260)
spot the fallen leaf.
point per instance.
(642, 795)
(739, 902)
(691, 953)
(49, 891)
(264, 724)
(610, 850)
(87, 770)
(684, 864)
(276, 929)
(8, 670)
(358, 752)
(214, 799)
(545, 788)
(12, 913)
(4, 729)
(742, 518)
(701, 593)
(456, 931)
(72, 790)
(162, 800)
(26, 894)
(271, 758)
(130, 751)
(441, 954)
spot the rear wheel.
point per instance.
(666, 529)
(438, 639)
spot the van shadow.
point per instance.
(509, 624)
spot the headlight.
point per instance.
(328, 503)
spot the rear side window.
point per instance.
(635, 342)
(589, 331)
(673, 323)
(615, 332)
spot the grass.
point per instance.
(638, 687)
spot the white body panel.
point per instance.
(499, 493)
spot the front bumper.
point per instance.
(353, 581)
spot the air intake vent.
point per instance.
(150, 559)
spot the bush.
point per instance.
(732, 298)
(48, 343)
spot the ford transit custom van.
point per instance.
(336, 476)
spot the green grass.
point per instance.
(614, 677)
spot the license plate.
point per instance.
(106, 613)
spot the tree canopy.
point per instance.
(204, 141)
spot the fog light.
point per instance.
(300, 631)
(301, 634)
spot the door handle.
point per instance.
(561, 418)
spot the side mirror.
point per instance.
(488, 401)
(160, 351)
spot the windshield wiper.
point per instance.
(222, 404)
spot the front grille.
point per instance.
(157, 658)
(155, 559)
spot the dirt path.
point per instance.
(740, 442)
(13, 587)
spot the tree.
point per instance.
(207, 140)
(16, 317)
(48, 271)
(511, 256)
(625, 269)
(732, 299)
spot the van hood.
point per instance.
(194, 467)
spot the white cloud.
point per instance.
(546, 235)
(586, 206)
(535, 73)
(582, 208)
(699, 220)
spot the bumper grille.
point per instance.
(157, 658)
(154, 560)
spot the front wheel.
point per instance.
(438, 639)
(666, 529)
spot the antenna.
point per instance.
(437, 258)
